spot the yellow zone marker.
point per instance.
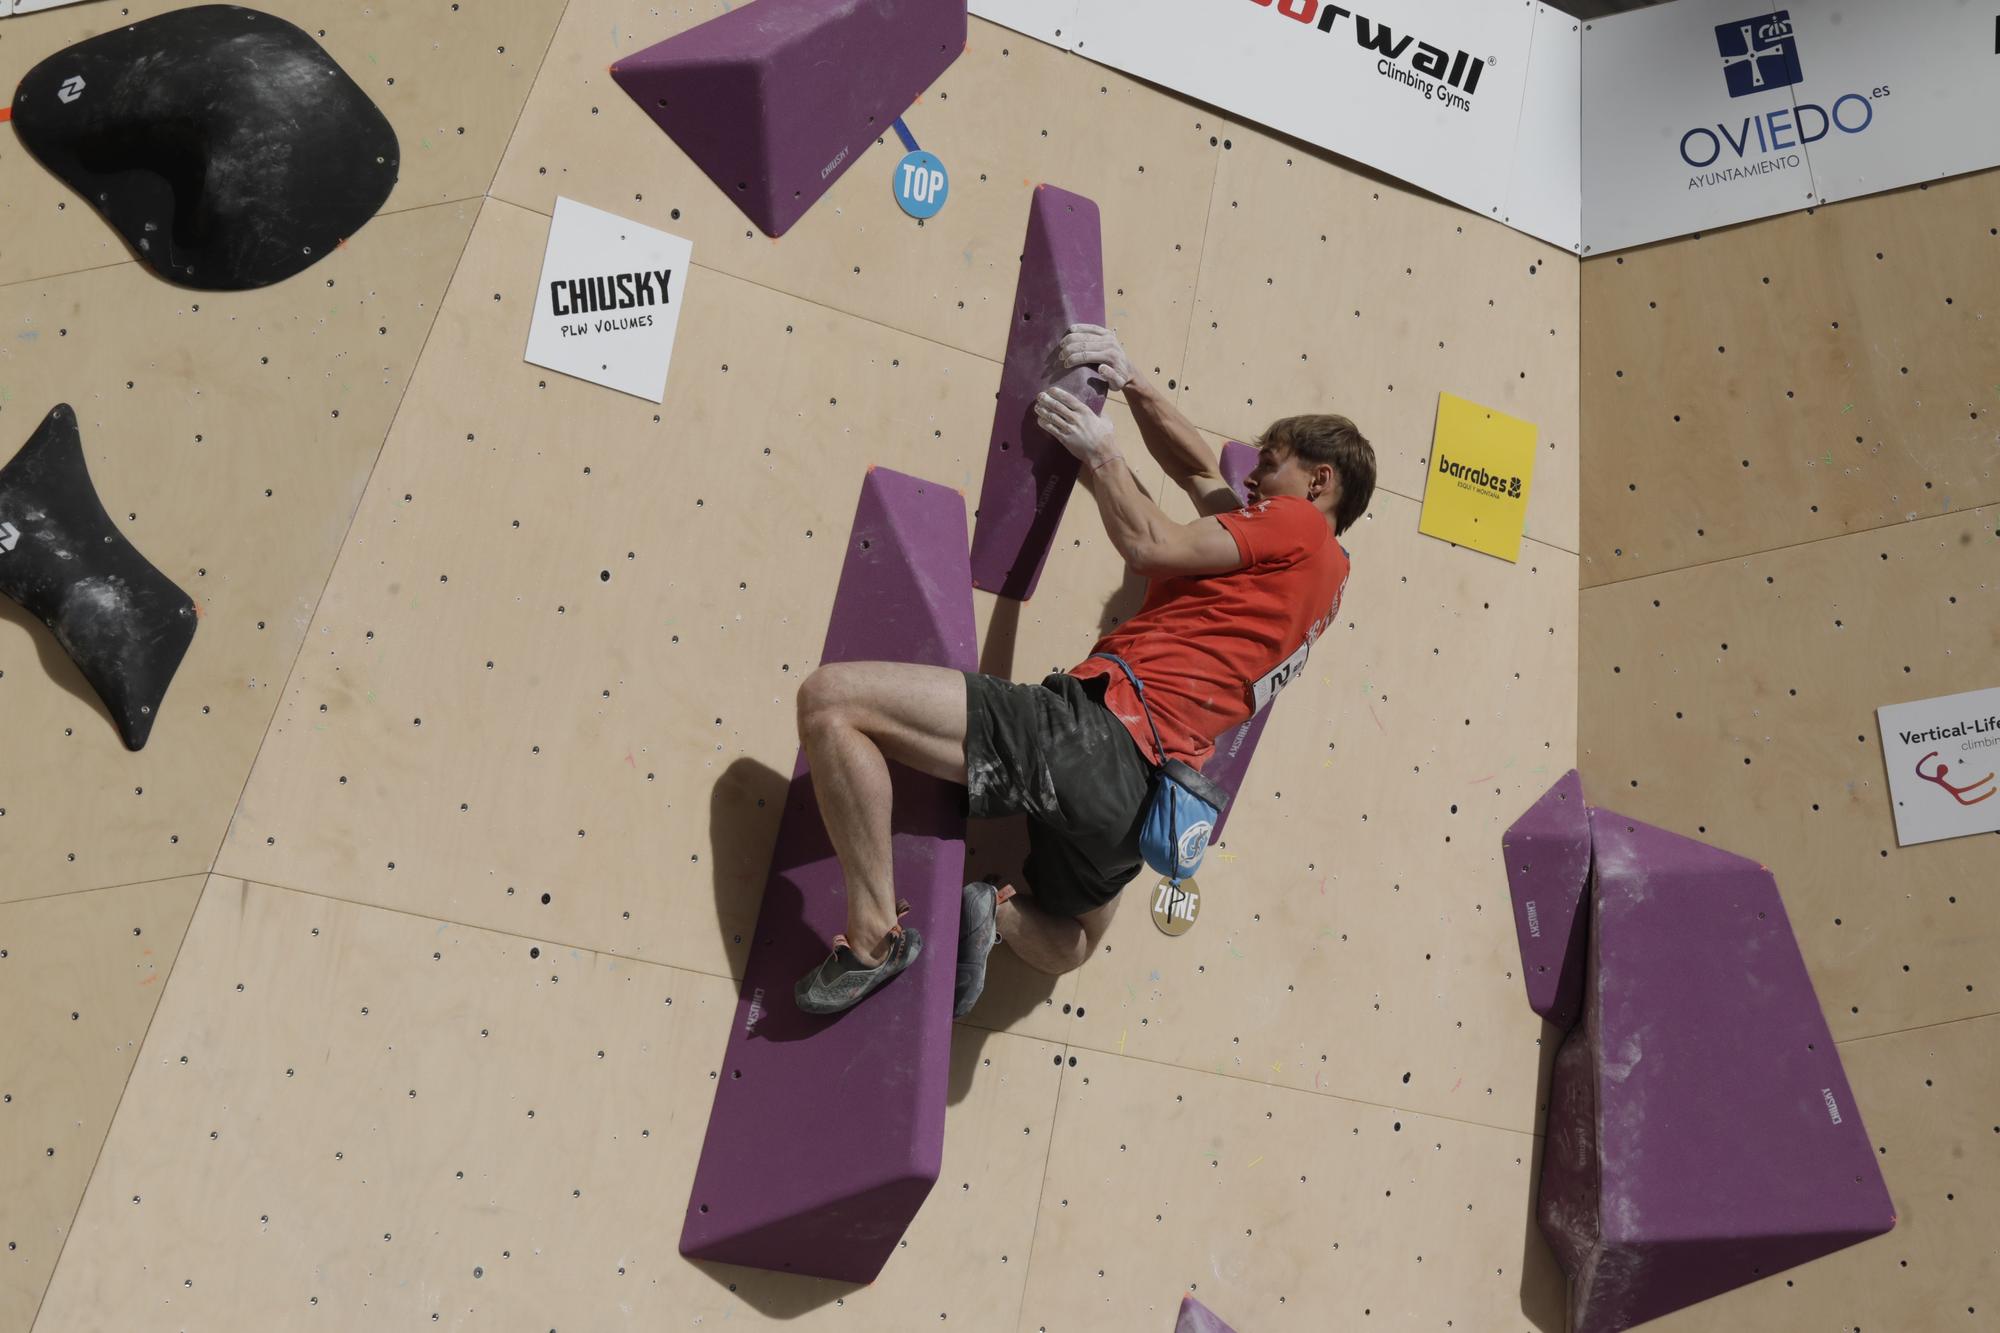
(1121, 1041)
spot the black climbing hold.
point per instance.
(223, 143)
(124, 623)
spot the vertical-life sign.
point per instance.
(1943, 760)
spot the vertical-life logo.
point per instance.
(1759, 54)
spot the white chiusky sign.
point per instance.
(609, 300)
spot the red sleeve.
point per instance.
(1275, 531)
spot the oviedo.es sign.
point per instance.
(1759, 55)
(1449, 77)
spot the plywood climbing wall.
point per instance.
(451, 829)
(1791, 515)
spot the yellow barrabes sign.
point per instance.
(1476, 491)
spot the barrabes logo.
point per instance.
(1509, 487)
(1759, 54)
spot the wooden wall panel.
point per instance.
(229, 435)
(1791, 380)
(1280, 1210)
(80, 977)
(396, 1117)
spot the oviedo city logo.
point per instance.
(1983, 733)
(1440, 75)
(1498, 486)
(1761, 55)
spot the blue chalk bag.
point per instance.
(1183, 807)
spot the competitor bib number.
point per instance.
(1287, 671)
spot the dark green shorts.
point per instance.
(1055, 753)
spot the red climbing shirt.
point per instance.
(1213, 649)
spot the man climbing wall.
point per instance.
(1234, 601)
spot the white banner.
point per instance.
(1943, 757)
(1044, 19)
(1643, 126)
(1431, 92)
(1702, 113)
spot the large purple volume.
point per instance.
(1028, 475)
(1701, 1131)
(826, 1134)
(1234, 747)
(775, 100)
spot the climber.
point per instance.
(1234, 601)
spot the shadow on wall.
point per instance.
(744, 808)
(1544, 1291)
(747, 802)
(775, 1295)
(56, 664)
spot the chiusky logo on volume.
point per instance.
(1510, 487)
(1832, 1107)
(1534, 921)
(615, 291)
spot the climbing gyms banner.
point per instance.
(8, 7)
(1593, 136)
(1943, 758)
(1469, 99)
